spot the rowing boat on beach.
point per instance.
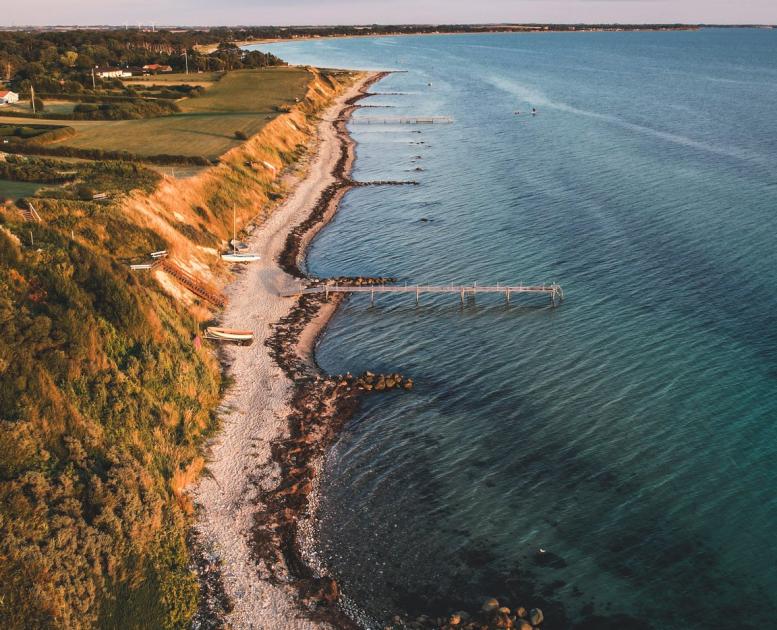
(229, 334)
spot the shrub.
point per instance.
(241, 135)
(85, 108)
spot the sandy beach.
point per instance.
(254, 412)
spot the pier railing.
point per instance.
(554, 291)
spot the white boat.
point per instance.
(235, 255)
(229, 334)
(240, 257)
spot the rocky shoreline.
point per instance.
(321, 405)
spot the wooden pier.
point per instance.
(401, 120)
(554, 291)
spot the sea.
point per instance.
(612, 460)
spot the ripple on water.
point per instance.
(631, 432)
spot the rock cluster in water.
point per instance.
(381, 382)
(320, 405)
(491, 616)
(357, 281)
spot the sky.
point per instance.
(304, 12)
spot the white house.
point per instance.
(112, 73)
(6, 97)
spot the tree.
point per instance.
(69, 58)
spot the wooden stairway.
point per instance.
(30, 214)
(199, 288)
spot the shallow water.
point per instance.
(631, 432)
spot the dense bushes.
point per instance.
(104, 176)
(128, 110)
(19, 169)
(103, 401)
(37, 133)
(99, 154)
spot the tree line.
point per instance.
(63, 61)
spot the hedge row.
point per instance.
(34, 148)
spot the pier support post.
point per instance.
(372, 297)
(507, 296)
(416, 295)
(462, 297)
(326, 294)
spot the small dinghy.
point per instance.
(229, 334)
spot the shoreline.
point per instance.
(250, 571)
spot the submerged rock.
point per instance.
(536, 617)
(490, 605)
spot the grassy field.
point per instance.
(14, 190)
(243, 100)
(53, 106)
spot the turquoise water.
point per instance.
(630, 433)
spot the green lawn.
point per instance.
(243, 100)
(14, 190)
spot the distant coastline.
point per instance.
(292, 36)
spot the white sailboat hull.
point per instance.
(240, 257)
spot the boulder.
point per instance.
(522, 624)
(490, 605)
(454, 619)
(520, 612)
(536, 617)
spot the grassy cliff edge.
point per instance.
(105, 399)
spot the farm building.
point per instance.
(112, 73)
(6, 97)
